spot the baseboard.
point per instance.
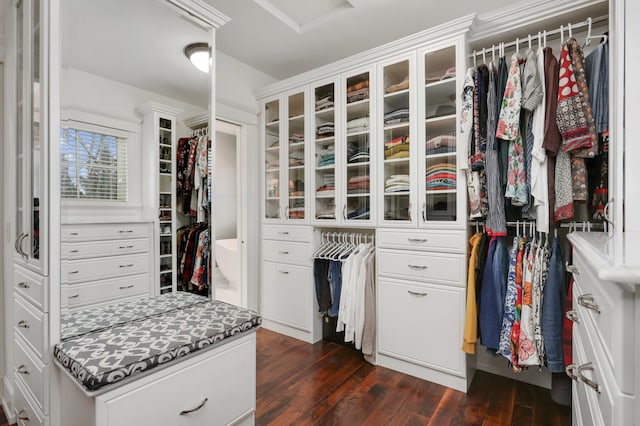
(7, 400)
(296, 333)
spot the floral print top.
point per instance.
(509, 120)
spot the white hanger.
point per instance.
(493, 53)
(517, 46)
(587, 41)
(544, 34)
(474, 59)
(570, 32)
(529, 41)
(562, 35)
(484, 58)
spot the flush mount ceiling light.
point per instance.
(198, 54)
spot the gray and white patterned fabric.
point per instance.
(108, 356)
(85, 321)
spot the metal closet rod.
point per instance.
(541, 34)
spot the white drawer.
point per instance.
(440, 241)
(287, 252)
(27, 412)
(286, 294)
(103, 248)
(439, 268)
(32, 325)
(287, 233)
(587, 410)
(609, 302)
(33, 372)
(225, 383)
(103, 231)
(421, 324)
(77, 295)
(73, 271)
(33, 287)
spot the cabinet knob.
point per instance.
(573, 316)
(23, 285)
(586, 300)
(588, 367)
(22, 415)
(23, 324)
(22, 369)
(191, 410)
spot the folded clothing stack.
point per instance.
(441, 176)
(325, 130)
(361, 213)
(357, 152)
(358, 125)
(397, 148)
(296, 138)
(400, 115)
(327, 156)
(441, 144)
(324, 103)
(403, 85)
(397, 183)
(328, 186)
(358, 184)
(296, 159)
(358, 91)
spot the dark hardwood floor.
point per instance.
(329, 384)
(3, 418)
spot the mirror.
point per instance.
(134, 154)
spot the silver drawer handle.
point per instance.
(283, 233)
(573, 316)
(185, 412)
(570, 370)
(73, 233)
(417, 240)
(23, 285)
(22, 415)
(588, 367)
(124, 287)
(125, 247)
(586, 300)
(73, 272)
(572, 269)
(126, 266)
(283, 252)
(284, 272)
(125, 231)
(23, 324)
(415, 293)
(22, 369)
(73, 251)
(74, 296)
(417, 266)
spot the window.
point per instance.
(93, 164)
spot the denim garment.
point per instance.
(323, 293)
(552, 311)
(492, 294)
(335, 284)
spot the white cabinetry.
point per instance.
(104, 262)
(288, 295)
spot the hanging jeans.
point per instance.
(323, 294)
(552, 313)
(335, 284)
(492, 294)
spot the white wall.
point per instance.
(226, 191)
(2, 220)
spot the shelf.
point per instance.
(166, 271)
(437, 84)
(165, 145)
(164, 129)
(164, 256)
(330, 140)
(296, 167)
(398, 93)
(329, 167)
(363, 132)
(298, 146)
(325, 196)
(165, 174)
(164, 193)
(362, 164)
(272, 170)
(297, 117)
(368, 194)
(273, 123)
(443, 155)
(296, 197)
(272, 198)
(166, 235)
(326, 111)
(398, 193)
(164, 208)
(397, 160)
(441, 191)
(397, 126)
(358, 103)
(441, 118)
(273, 148)
(164, 161)
(165, 221)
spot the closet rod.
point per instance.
(573, 224)
(533, 37)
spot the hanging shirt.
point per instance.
(539, 175)
(470, 335)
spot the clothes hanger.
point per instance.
(517, 46)
(493, 53)
(544, 34)
(475, 65)
(561, 35)
(570, 32)
(590, 37)
(529, 41)
(484, 58)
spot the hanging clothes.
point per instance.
(193, 257)
(471, 316)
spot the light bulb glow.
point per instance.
(200, 60)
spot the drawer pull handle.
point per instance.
(421, 267)
(22, 369)
(284, 272)
(23, 285)
(73, 272)
(124, 287)
(586, 300)
(283, 252)
(415, 293)
(283, 233)
(126, 266)
(22, 415)
(185, 412)
(125, 247)
(572, 269)
(73, 251)
(588, 367)
(73, 233)
(573, 316)
(23, 324)
(417, 240)
(74, 296)
(569, 369)
(125, 231)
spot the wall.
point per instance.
(2, 219)
(226, 187)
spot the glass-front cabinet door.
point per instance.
(439, 186)
(357, 137)
(324, 155)
(31, 157)
(396, 172)
(272, 144)
(295, 209)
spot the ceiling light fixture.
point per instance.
(198, 54)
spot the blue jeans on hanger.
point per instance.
(494, 285)
(335, 283)
(552, 313)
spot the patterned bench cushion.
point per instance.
(108, 356)
(88, 320)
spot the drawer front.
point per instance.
(440, 268)
(421, 324)
(31, 325)
(103, 248)
(286, 252)
(32, 287)
(286, 294)
(91, 269)
(439, 241)
(288, 233)
(103, 231)
(225, 383)
(33, 372)
(77, 295)
(604, 305)
(27, 412)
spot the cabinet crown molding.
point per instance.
(151, 106)
(200, 12)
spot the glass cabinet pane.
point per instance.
(36, 137)
(440, 145)
(325, 159)
(20, 156)
(272, 159)
(396, 139)
(166, 204)
(358, 132)
(296, 152)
